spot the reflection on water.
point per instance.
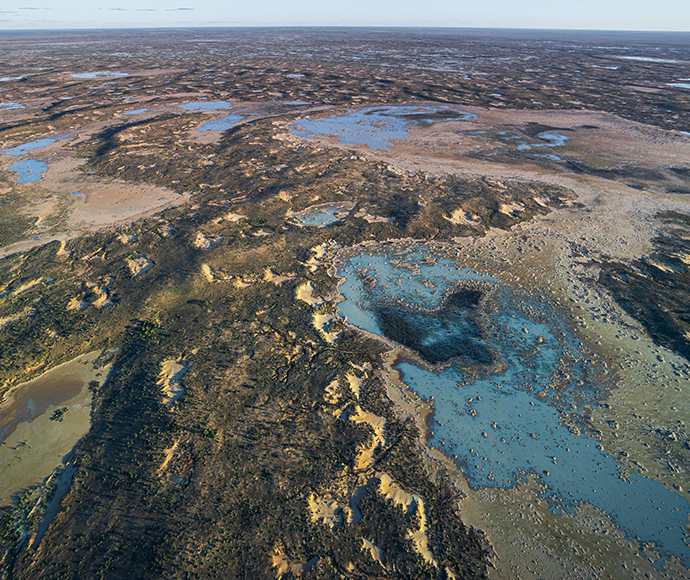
(375, 127)
(501, 417)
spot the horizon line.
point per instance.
(340, 26)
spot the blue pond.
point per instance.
(487, 414)
(100, 74)
(550, 138)
(26, 147)
(30, 171)
(10, 106)
(204, 106)
(222, 124)
(376, 126)
(135, 111)
(322, 217)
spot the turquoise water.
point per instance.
(204, 106)
(488, 417)
(375, 127)
(26, 147)
(30, 171)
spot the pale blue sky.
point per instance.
(574, 14)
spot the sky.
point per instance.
(671, 15)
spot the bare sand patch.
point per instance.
(409, 501)
(355, 384)
(139, 264)
(170, 380)
(284, 567)
(511, 209)
(273, 278)
(325, 511)
(208, 272)
(305, 293)
(322, 322)
(76, 304)
(370, 218)
(460, 217)
(27, 286)
(205, 243)
(169, 454)
(230, 217)
(375, 552)
(365, 458)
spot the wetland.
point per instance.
(344, 304)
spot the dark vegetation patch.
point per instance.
(451, 332)
(535, 129)
(654, 289)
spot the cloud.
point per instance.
(177, 9)
(33, 8)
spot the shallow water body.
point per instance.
(323, 215)
(29, 171)
(488, 417)
(42, 420)
(222, 124)
(375, 127)
(205, 106)
(26, 147)
(100, 74)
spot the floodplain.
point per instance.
(369, 303)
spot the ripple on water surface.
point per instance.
(486, 409)
(376, 126)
